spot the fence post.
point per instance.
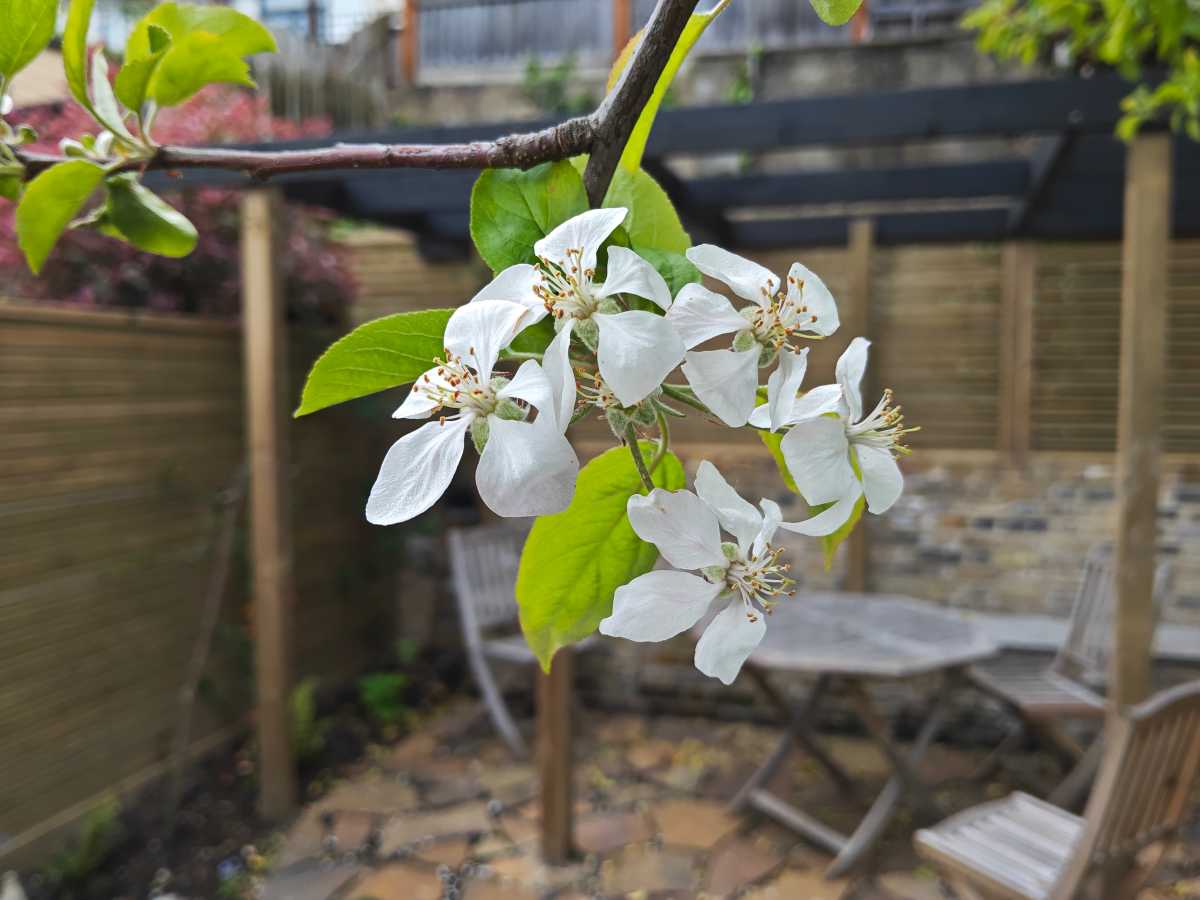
(622, 25)
(265, 362)
(1014, 432)
(1144, 259)
(860, 251)
(555, 712)
(411, 41)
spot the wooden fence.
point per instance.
(118, 433)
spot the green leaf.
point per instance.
(104, 102)
(575, 560)
(240, 35)
(534, 339)
(28, 28)
(74, 49)
(771, 440)
(675, 268)
(10, 187)
(195, 46)
(836, 12)
(145, 220)
(635, 147)
(830, 542)
(49, 204)
(652, 223)
(194, 62)
(133, 81)
(382, 354)
(511, 209)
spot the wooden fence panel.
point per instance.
(116, 435)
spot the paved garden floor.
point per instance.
(449, 815)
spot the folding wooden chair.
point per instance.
(483, 569)
(1022, 848)
(1072, 685)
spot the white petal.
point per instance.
(531, 385)
(882, 481)
(699, 314)
(417, 471)
(527, 468)
(726, 381)
(818, 456)
(515, 284)
(816, 298)
(478, 332)
(747, 279)
(586, 232)
(829, 520)
(737, 516)
(825, 398)
(418, 404)
(628, 273)
(729, 638)
(783, 385)
(850, 368)
(683, 528)
(772, 516)
(556, 363)
(637, 351)
(659, 605)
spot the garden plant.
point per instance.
(596, 300)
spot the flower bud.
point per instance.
(618, 421)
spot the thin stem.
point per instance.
(521, 355)
(664, 439)
(684, 395)
(635, 449)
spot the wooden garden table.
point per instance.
(854, 639)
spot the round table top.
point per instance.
(880, 635)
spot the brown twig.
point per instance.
(603, 134)
(620, 109)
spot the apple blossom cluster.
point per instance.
(613, 354)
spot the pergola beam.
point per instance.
(1047, 158)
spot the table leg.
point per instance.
(871, 828)
(798, 720)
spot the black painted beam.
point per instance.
(1003, 178)
(1047, 160)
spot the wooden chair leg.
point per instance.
(494, 701)
(1072, 791)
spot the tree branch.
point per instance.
(619, 111)
(603, 134)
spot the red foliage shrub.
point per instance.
(89, 269)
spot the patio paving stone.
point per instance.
(397, 882)
(694, 823)
(793, 884)
(741, 862)
(309, 880)
(642, 867)
(601, 833)
(403, 830)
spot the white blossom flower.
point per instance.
(830, 436)
(635, 349)
(686, 528)
(726, 380)
(526, 468)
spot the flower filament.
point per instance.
(882, 427)
(457, 386)
(779, 317)
(566, 292)
(759, 579)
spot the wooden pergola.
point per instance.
(1066, 177)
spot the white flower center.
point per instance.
(567, 291)
(760, 580)
(882, 427)
(459, 386)
(780, 318)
